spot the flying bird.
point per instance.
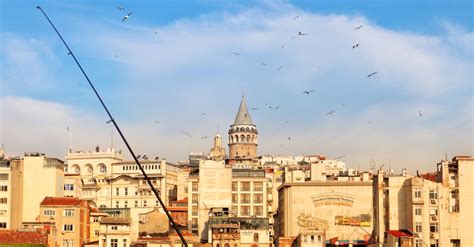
(156, 31)
(262, 63)
(372, 74)
(236, 53)
(254, 108)
(279, 68)
(289, 138)
(308, 92)
(186, 133)
(285, 122)
(278, 107)
(296, 17)
(355, 46)
(67, 129)
(359, 27)
(302, 34)
(203, 114)
(330, 113)
(127, 16)
(138, 157)
(269, 106)
(419, 113)
(157, 122)
(204, 137)
(120, 8)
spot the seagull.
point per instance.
(278, 107)
(308, 92)
(67, 129)
(355, 46)
(419, 113)
(156, 31)
(330, 113)
(127, 16)
(186, 133)
(120, 8)
(372, 74)
(282, 46)
(204, 137)
(157, 122)
(302, 34)
(269, 106)
(157, 157)
(203, 114)
(236, 53)
(262, 63)
(359, 27)
(138, 157)
(289, 138)
(254, 108)
(296, 17)
(279, 68)
(285, 122)
(116, 55)
(370, 122)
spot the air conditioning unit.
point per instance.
(433, 201)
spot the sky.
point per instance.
(171, 68)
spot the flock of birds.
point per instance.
(237, 53)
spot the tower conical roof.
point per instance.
(243, 115)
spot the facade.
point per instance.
(70, 217)
(324, 211)
(114, 232)
(242, 137)
(34, 166)
(432, 210)
(10, 193)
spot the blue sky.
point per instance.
(173, 60)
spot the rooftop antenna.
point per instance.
(120, 132)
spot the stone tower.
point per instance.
(217, 151)
(243, 136)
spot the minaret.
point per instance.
(243, 135)
(217, 151)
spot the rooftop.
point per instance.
(61, 201)
(243, 115)
(19, 237)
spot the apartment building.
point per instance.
(10, 193)
(70, 218)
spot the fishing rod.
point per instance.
(119, 131)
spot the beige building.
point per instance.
(10, 193)
(70, 217)
(426, 210)
(37, 168)
(114, 232)
(312, 212)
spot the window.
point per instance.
(434, 243)
(433, 194)
(3, 200)
(418, 243)
(3, 225)
(258, 186)
(49, 212)
(255, 237)
(418, 211)
(114, 242)
(257, 198)
(234, 209)
(185, 190)
(96, 219)
(68, 228)
(102, 169)
(226, 245)
(418, 227)
(117, 191)
(124, 242)
(126, 204)
(433, 227)
(157, 203)
(96, 233)
(245, 210)
(68, 243)
(433, 211)
(235, 198)
(69, 187)
(144, 203)
(68, 212)
(114, 228)
(235, 186)
(3, 188)
(258, 210)
(244, 198)
(136, 203)
(417, 193)
(312, 238)
(126, 191)
(194, 186)
(194, 198)
(245, 186)
(3, 177)
(194, 211)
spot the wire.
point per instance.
(119, 131)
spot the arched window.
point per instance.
(226, 245)
(242, 138)
(218, 245)
(236, 138)
(247, 129)
(89, 169)
(248, 138)
(76, 169)
(102, 168)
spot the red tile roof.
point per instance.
(61, 201)
(177, 209)
(15, 237)
(184, 200)
(400, 233)
(429, 176)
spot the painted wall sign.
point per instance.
(333, 199)
(360, 220)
